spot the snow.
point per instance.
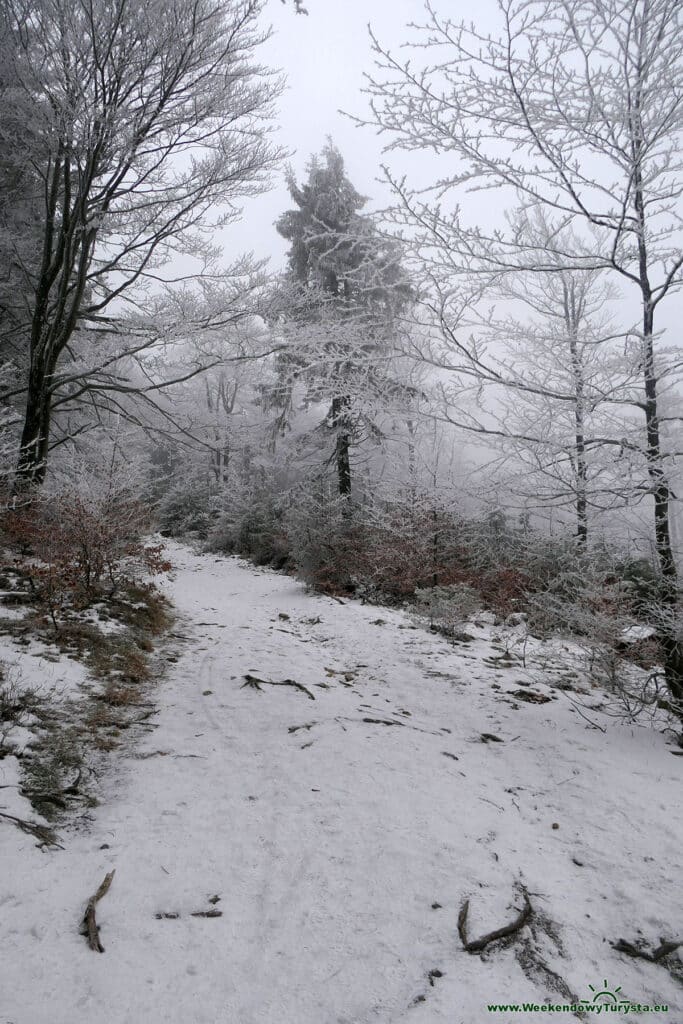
(328, 839)
(637, 632)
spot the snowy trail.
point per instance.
(328, 838)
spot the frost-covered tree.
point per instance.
(19, 211)
(348, 289)
(207, 434)
(576, 106)
(149, 123)
(546, 380)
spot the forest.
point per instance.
(454, 405)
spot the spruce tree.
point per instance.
(351, 286)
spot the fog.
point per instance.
(324, 57)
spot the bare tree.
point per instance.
(576, 106)
(150, 123)
(549, 382)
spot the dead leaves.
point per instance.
(530, 696)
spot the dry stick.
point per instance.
(46, 835)
(257, 683)
(577, 707)
(89, 926)
(390, 721)
(654, 957)
(476, 945)
(382, 721)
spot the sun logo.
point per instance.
(605, 994)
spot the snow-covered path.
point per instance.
(342, 847)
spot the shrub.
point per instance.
(250, 524)
(187, 509)
(447, 607)
(75, 549)
(325, 540)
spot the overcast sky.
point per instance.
(324, 56)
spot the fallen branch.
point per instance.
(652, 957)
(476, 945)
(89, 926)
(46, 835)
(389, 721)
(257, 683)
(382, 721)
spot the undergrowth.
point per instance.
(77, 572)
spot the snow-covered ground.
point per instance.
(339, 836)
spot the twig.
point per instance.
(577, 707)
(89, 926)
(385, 721)
(476, 945)
(382, 721)
(654, 957)
(46, 835)
(257, 683)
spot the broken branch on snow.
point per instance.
(89, 925)
(257, 683)
(476, 945)
(46, 835)
(652, 957)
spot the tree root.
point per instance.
(476, 945)
(257, 683)
(654, 956)
(89, 927)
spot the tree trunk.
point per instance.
(572, 317)
(35, 438)
(580, 466)
(669, 596)
(340, 421)
(667, 627)
(412, 462)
